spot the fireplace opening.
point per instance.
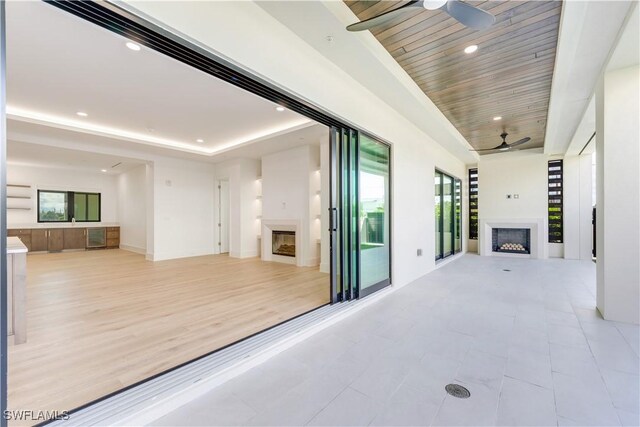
(511, 240)
(283, 243)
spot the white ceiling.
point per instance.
(25, 154)
(58, 64)
(588, 32)
(625, 54)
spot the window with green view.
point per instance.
(66, 206)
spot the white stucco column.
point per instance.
(618, 195)
(577, 212)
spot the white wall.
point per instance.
(244, 205)
(288, 184)
(45, 178)
(520, 173)
(183, 209)
(618, 195)
(132, 209)
(577, 207)
(248, 36)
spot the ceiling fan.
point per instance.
(504, 146)
(468, 15)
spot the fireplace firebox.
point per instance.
(511, 240)
(283, 243)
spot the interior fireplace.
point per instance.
(283, 243)
(511, 240)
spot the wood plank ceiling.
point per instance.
(509, 76)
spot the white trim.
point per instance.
(135, 249)
(538, 226)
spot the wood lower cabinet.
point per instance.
(113, 237)
(55, 239)
(39, 240)
(75, 238)
(58, 239)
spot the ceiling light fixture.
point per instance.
(200, 140)
(133, 46)
(471, 49)
(103, 170)
(496, 118)
(82, 114)
(433, 4)
(279, 108)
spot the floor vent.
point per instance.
(456, 390)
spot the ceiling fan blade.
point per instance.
(520, 142)
(382, 18)
(486, 149)
(468, 15)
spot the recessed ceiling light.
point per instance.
(133, 46)
(496, 118)
(103, 170)
(471, 49)
(200, 140)
(280, 108)
(82, 114)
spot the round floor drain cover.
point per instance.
(456, 390)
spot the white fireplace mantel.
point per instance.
(268, 226)
(538, 235)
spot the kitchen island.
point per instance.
(16, 290)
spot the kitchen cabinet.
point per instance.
(38, 240)
(113, 237)
(67, 238)
(74, 238)
(55, 239)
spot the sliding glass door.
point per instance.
(360, 215)
(373, 220)
(448, 207)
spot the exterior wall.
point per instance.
(246, 35)
(521, 174)
(618, 190)
(578, 231)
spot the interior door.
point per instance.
(223, 216)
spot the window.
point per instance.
(473, 204)
(555, 201)
(65, 206)
(447, 215)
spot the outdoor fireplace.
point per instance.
(511, 240)
(283, 243)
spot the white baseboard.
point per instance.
(141, 251)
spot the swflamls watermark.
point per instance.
(31, 415)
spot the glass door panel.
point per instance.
(457, 224)
(447, 215)
(374, 209)
(438, 214)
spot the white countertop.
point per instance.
(15, 246)
(64, 225)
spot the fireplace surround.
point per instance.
(537, 236)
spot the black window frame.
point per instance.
(555, 197)
(71, 206)
(473, 204)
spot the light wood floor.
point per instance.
(101, 320)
